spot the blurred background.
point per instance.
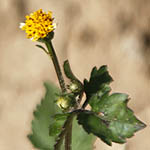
(89, 33)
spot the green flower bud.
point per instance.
(63, 103)
(75, 87)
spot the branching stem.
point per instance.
(67, 128)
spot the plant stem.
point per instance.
(68, 137)
(67, 125)
(56, 65)
(68, 129)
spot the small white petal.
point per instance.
(54, 25)
(21, 25)
(32, 39)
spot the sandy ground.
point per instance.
(89, 33)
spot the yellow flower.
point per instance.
(38, 25)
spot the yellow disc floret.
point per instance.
(38, 25)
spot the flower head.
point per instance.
(38, 25)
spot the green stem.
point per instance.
(68, 137)
(56, 65)
(67, 128)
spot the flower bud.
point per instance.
(75, 87)
(63, 102)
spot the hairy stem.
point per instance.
(67, 128)
(56, 65)
(68, 137)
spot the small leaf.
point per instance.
(98, 80)
(39, 46)
(68, 71)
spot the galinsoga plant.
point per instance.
(60, 121)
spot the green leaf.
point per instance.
(48, 117)
(68, 72)
(95, 125)
(112, 110)
(99, 80)
(81, 140)
(42, 117)
(40, 46)
(115, 109)
(119, 119)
